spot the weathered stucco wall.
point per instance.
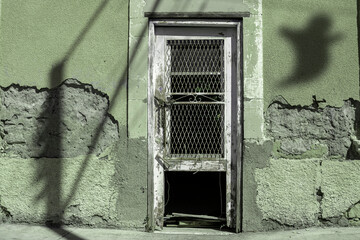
(303, 171)
(51, 123)
(76, 151)
(304, 174)
(65, 160)
(308, 131)
(253, 71)
(64, 152)
(138, 69)
(45, 42)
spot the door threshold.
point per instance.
(183, 220)
(195, 216)
(194, 231)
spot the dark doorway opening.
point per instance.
(195, 199)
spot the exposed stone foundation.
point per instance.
(59, 122)
(311, 178)
(307, 131)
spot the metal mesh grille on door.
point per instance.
(194, 125)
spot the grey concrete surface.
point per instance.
(15, 231)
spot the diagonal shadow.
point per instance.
(312, 47)
(50, 170)
(180, 6)
(50, 140)
(121, 83)
(65, 233)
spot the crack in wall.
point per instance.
(5, 214)
(320, 194)
(353, 214)
(328, 135)
(276, 224)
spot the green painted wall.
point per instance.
(89, 36)
(42, 43)
(310, 48)
(96, 41)
(138, 70)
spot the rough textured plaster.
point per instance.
(297, 190)
(287, 192)
(111, 192)
(131, 180)
(30, 48)
(256, 156)
(303, 129)
(59, 122)
(24, 197)
(340, 185)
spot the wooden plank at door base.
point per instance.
(185, 215)
(195, 165)
(193, 221)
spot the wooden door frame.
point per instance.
(156, 164)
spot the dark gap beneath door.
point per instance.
(195, 199)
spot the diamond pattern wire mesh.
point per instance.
(196, 66)
(195, 88)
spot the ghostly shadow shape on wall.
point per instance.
(312, 47)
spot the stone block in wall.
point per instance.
(256, 156)
(310, 131)
(66, 121)
(106, 190)
(340, 186)
(51, 190)
(287, 192)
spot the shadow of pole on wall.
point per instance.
(50, 141)
(50, 135)
(312, 48)
(50, 138)
(121, 83)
